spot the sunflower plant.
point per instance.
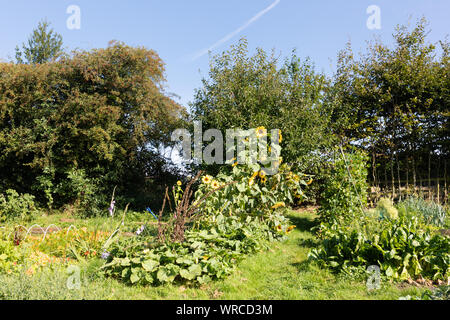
(252, 188)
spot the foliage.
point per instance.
(345, 187)
(44, 183)
(87, 245)
(432, 212)
(251, 189)
(386, 209)
(74, 244)
(205, 255)
(43, 45)
(102, 112)
(234, 215)
(402, 248)
(17, 206)
(81, 191)
(248, 191)
(11, 256)
(394, 102)
(38, 252)
(245, 91)
(440, 293)
(282, 272)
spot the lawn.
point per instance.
(282, 272)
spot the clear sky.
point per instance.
(182, 31)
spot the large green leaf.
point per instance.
(134, 278)
(150, 265)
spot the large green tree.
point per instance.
(244, 91)
(96, 116)
(395, 103)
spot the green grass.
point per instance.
(282, 272)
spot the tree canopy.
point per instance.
(395, 103)
(245, 92)
(43, 45)
(101, 112)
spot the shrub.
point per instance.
(44, 184)
(233, 215)
(102, 110)
(77, 244)
(440, 293)
(10, 256)
(17, 206)
(206, 254)
(430, 211)
(344, 192)
(386, 209)
(247, 191)
(81, 191)
(402, 248)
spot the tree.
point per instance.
(395, 104)
(93, 119)
(246, 92)
(43, 45)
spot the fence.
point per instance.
(436, 189)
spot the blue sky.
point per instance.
(180, 29)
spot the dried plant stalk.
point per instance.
(183, 212)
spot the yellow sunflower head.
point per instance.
(262, 174)
(215, 184)
(207, 179)
(261, 132)
(264, 180)
(179, 183)
(279, 228)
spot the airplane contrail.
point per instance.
(235, 32)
